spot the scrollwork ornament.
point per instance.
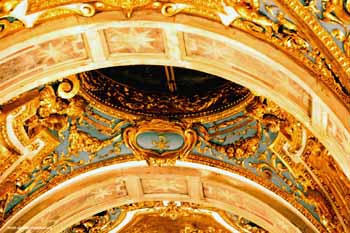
(33, 117)
(171, 9)
(336, 187)
(69, 87)
(241, 149)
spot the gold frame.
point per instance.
(160, 126)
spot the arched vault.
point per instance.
(268, 151)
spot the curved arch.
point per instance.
(247, 61)
(135, 182)
(80, 44)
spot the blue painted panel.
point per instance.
(160, 142)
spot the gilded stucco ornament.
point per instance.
(265, 113)
(26, 136)
(292, 146)
(327, 23)
(335, 14)
(258, 139)
(334, 182)
(305, 159)
(240, 149)
(293, 162)
(160, 152)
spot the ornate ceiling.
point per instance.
(115, 117)
(60, 130)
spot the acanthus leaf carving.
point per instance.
(333, 182)
(26, 136)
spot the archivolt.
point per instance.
(57, 49)
(28, 59)
(132, 182)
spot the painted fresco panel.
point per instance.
(234, 198)
(241, 201)
(164, 185)
(293, 91)
(42, 56)
(339, 133)
(87, 199)
(134, 40)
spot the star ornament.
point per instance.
(132, 39)
(214, 50)
(102, 193)
(54, 53)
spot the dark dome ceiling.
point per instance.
(162, 90)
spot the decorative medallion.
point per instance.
(160, 142)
